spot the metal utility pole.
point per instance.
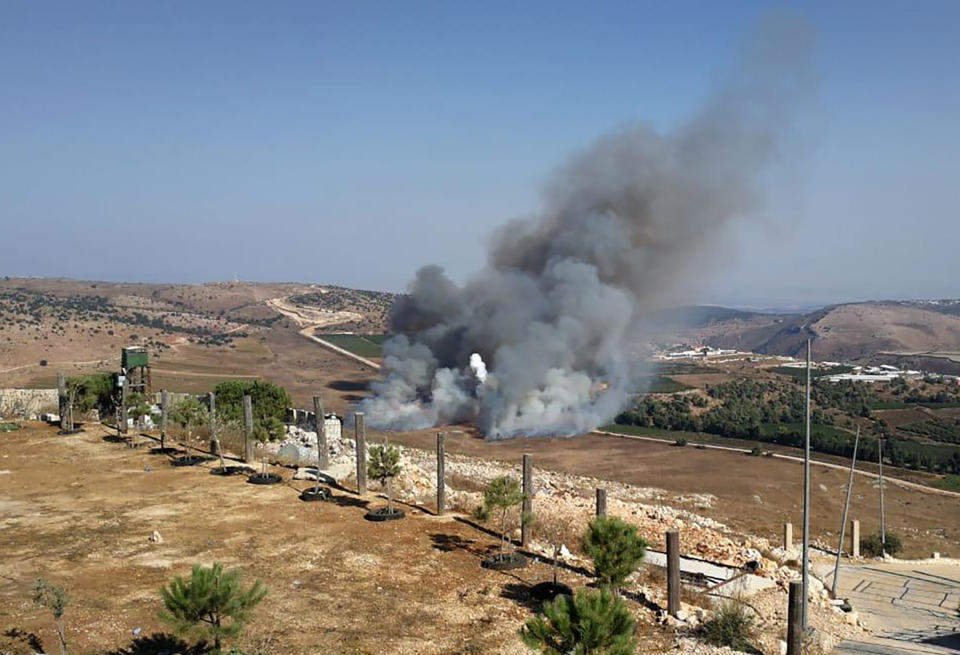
(806, 505)
(883, 524)
(846, 508)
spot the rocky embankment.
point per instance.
(564, 504)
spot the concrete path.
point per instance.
(713, 574)
(909, 608)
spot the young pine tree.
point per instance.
(500, 495)
(595, 622)
(615, 548)
(211, 603)
(383, 464)
(56, 600)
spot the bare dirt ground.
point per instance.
(79, 511)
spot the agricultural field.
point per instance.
(364, 345)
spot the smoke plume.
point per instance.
(538, 341)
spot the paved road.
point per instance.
(911, 609)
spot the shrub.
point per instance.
(269, 400)
(595, 622)
(211, 602)
(680, 442)
(872, 545)
(94, 391)
(615, 548)
(730, 626)
(756, 451)
(43, 362)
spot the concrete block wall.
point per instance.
(26, 403)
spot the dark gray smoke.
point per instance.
(554, 312)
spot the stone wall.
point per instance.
(24, 403)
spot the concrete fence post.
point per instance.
(673, 572)
(527, 500)
(795, 618)
(63, 403)
(164, 416)
(361, 436)
(214, 437)
(854, 538)
(441, 467)
(124, 388)
(248, 448)
(601, 501)
(788, 536)
(320, 424)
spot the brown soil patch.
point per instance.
(79, 512)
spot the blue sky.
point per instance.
(351, 143)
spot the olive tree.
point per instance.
(383, 464)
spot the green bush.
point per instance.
(731, 626)
(872, 545)
(615, 548)
(680, 442)
(94, 391)
(210, 603)
(756, 451)
(269, 400)
(595, 622)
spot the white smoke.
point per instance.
(478, 367)
(556, 309)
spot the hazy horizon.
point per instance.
(352, 145)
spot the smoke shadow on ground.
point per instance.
(161, 644)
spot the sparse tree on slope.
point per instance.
(211, 603)
(594, 622)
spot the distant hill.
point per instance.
(696, 316)
(847, 332)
